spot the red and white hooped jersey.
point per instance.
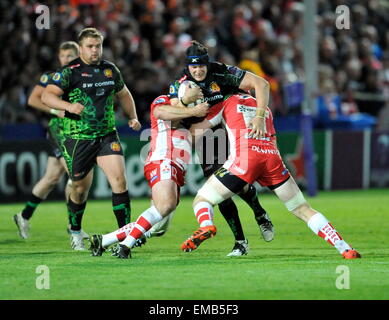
(236, 113)
(167, 143)
(249, 159)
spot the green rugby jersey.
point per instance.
(221, 82)
(93, 86)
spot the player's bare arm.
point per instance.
(51, 96)
(35, 101)
(177, 112)
(261, 87)
(128, 104)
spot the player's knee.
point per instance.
(167, 207)
(209, 194)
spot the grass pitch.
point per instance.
(295, 265)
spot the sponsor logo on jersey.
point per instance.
(44, 78)
(115, 146)
(98, 84)
(85, 74)
(214, 87)
(108, 73)
(57, 76)
(265, 151)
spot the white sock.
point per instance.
(323, 228)
(204, 213)
(117, 235)
(144, 223)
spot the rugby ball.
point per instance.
(182, 89)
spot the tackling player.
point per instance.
(254, 157)
(165, 168)
(218, 82)
(56, 166)
(88, 86)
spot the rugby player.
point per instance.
(254, 157)
(218, 82)
(88, 86)
(55, 167)
(165, 168)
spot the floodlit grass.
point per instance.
(296, 265)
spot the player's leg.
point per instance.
(54, 172)
(249, 195)
(290, 194)
(219, 187)
(76, 205)
(228, 207)
(165, 196)
(114, 169)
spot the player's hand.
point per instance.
(61, 114)
(200, 110)
(192, 94)
(76, 108)
(258, 128)
(134, 124)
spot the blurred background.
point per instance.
(147, 39)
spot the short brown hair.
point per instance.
(89, 33)
(70, 45)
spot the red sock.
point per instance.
(204, 213)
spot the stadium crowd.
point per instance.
(147, 40)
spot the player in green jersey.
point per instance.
(56, 166)
(85, 89)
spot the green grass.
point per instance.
(296, 265)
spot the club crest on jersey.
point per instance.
(108, 73)
(172, 89)
(215, 87)
(44, 78)
(57, 76)
(115, 146)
